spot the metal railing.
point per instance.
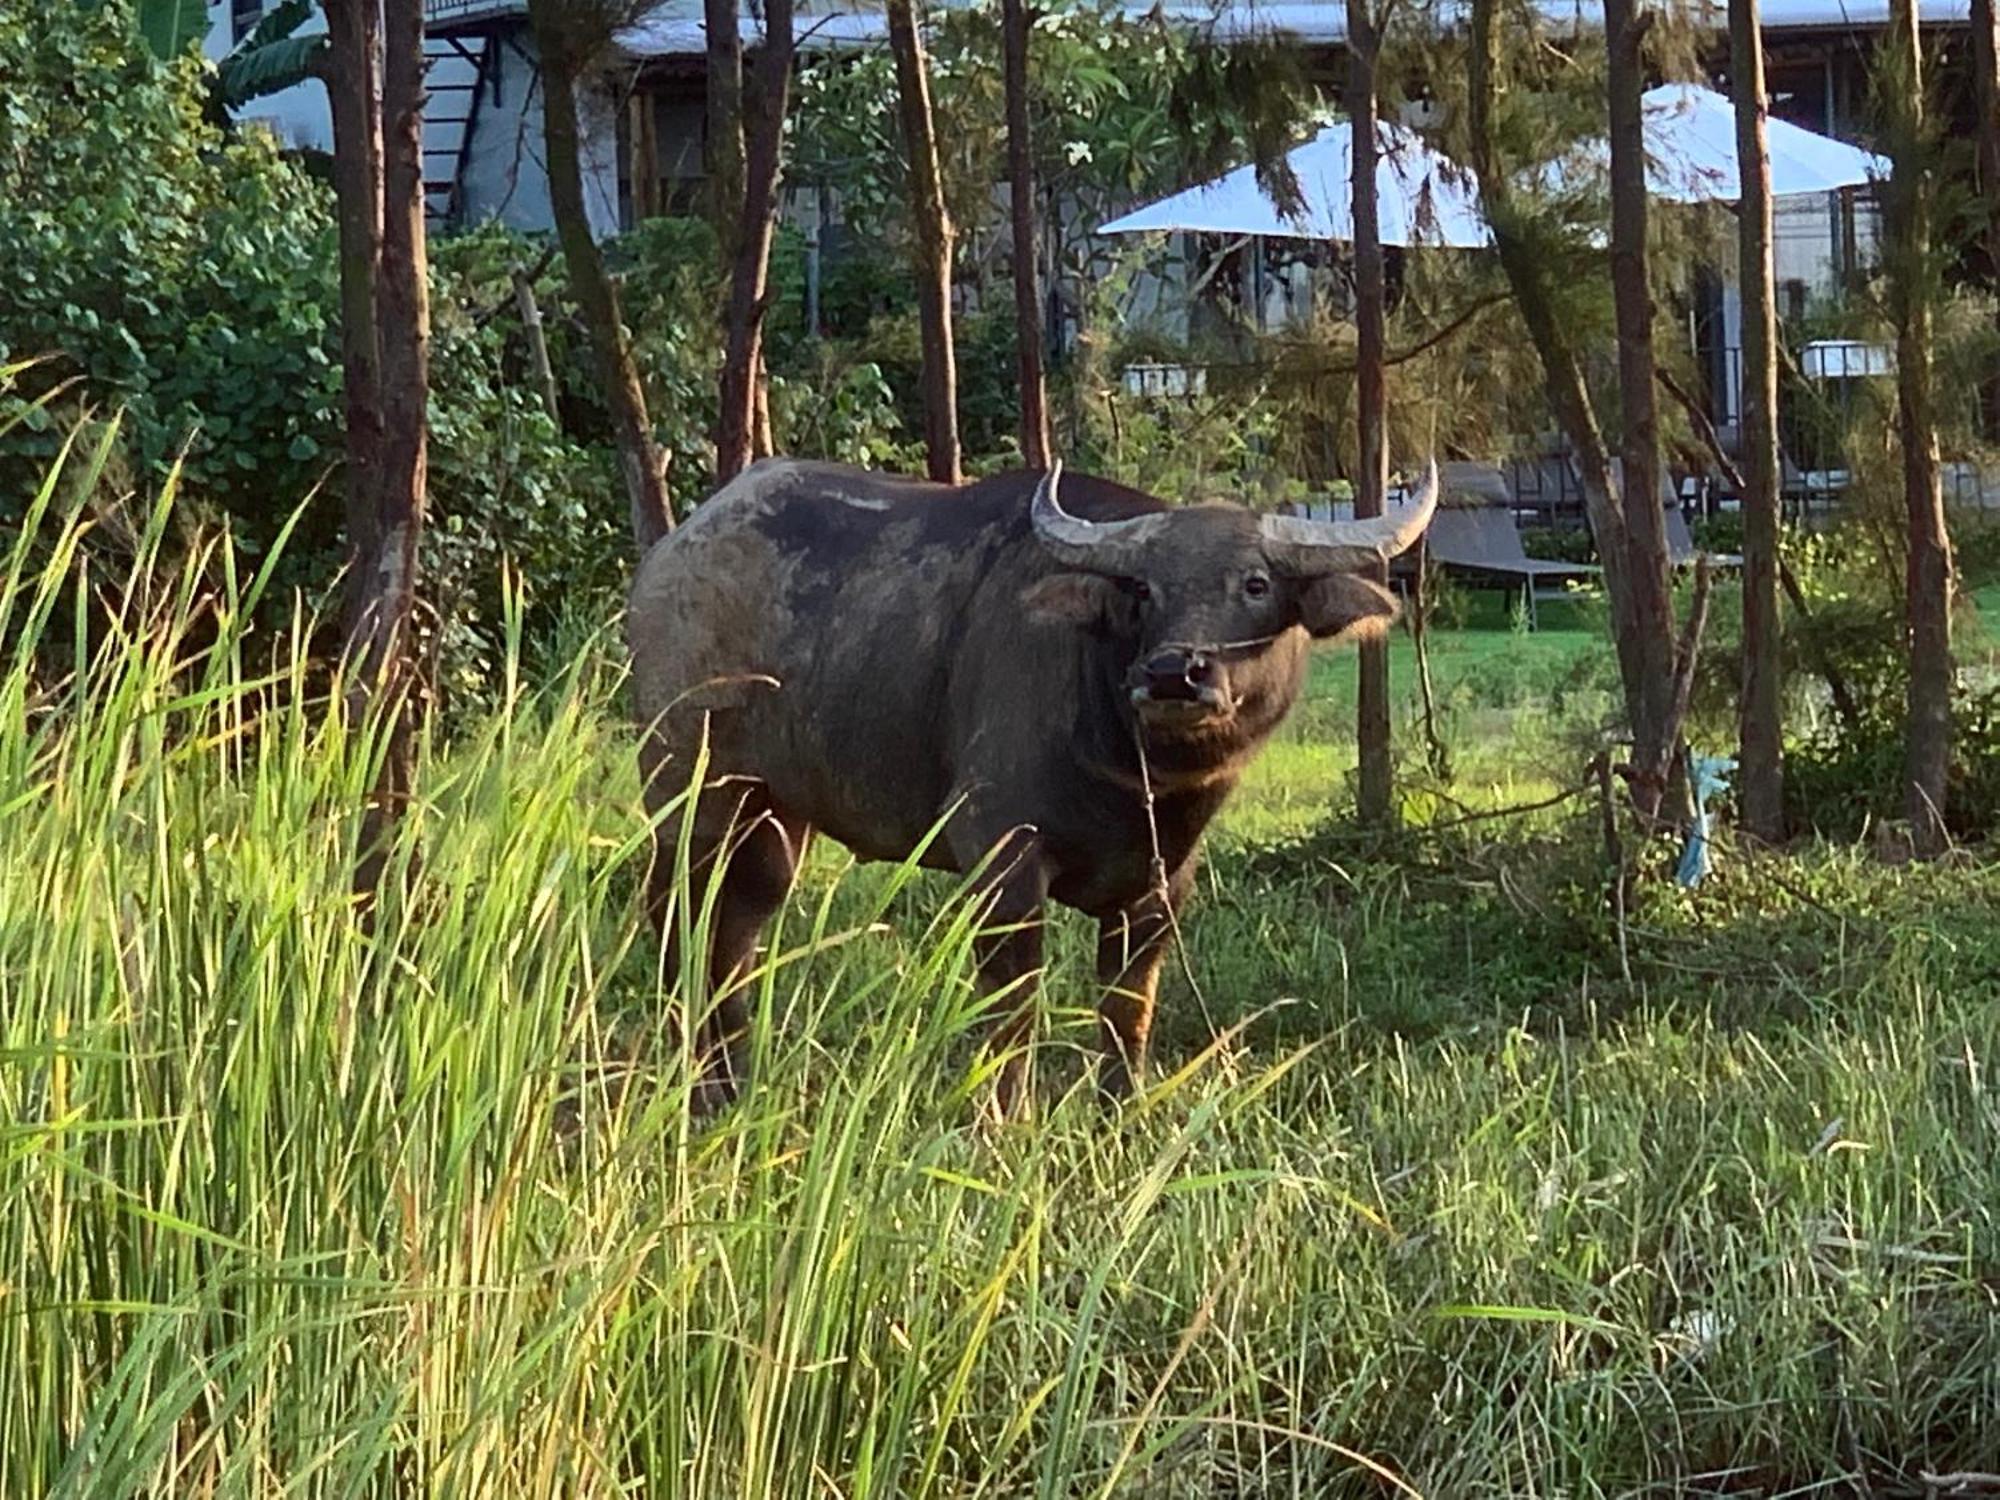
(470, 10)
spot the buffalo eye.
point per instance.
(1141, 590)
(1257, 586)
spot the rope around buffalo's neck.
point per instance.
(1157, 875)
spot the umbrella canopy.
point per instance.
(1421, 197)
(1691, 152)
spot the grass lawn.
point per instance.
(1451, 1182)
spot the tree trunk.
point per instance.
(934, 242)
(1911, 285)
(642, 134)
(1371, 476)
(763, 116)
(1562, 375)
(640, 462)
(385, 676)
(1760, 720)
(1027, 249)
(722, 151)
(1986, 98)
(1647, 606)
(538, 343)
(354, 92)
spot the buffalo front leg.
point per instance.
(1131, 946)
(1008, 948)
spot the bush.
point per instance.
(1840, 775)
(506, 483)
(155, 265)
(188, 280)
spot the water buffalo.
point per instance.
(1071, 686)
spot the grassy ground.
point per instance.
(1469, 1190)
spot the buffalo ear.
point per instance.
(1082, 600)
(1343, 605)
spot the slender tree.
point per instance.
(1527, 271)
(932, 222)
(763, 116)
(1911, 274)
(568, 35)
(1014, 33)
(1761, 753)
(383, 678)
(352, 65)
(722, 149)
(1647, 605)
(1371, 477)
(1986, 98)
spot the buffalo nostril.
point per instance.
(1200, 670)
(1168, 666)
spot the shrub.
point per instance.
(158, 266)
(1840, 775)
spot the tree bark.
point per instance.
(763, 116)
(385, 679)
(1014, 31)
(641, 463)
(1760, 718)
(1371, 475)
(1986, 98)
(642, 133)
(538, 343)
(354, 92)
(1911, 284)
(934, 242)
(1562, 374)
(722, 151)
(1646, 606)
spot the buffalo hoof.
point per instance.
(1117, 1080)
(718, 1087)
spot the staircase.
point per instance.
(461, 75)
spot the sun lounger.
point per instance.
(1681, 550)
(1480, 543)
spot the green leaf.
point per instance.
(278, 23)
(257, 72)
(303, 448)
(170, 27)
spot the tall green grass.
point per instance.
(296, 1205)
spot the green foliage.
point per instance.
(507, 486)
(1840, 777)
(1120, 106)
(163, 269)
(273, 56)
(1483, 1188)
(169, 27)
(1103, 92)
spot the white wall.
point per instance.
(505, 174)
(1806, 247)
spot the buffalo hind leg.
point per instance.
(1009, 953)
(1131, 946)
(756, 851)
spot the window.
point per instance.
(243, 18)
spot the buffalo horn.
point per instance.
(1098, 546)
(1306, 548)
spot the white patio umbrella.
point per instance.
(1421, 197)
(1690, 137)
